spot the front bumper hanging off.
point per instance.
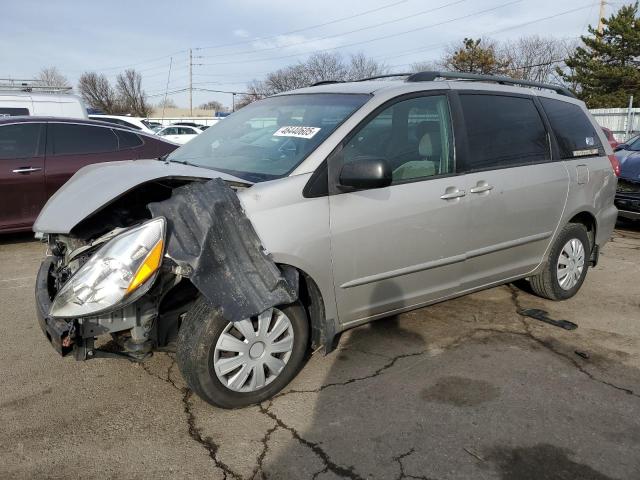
(65, 335)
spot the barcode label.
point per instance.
(299, 132)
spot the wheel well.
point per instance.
(179, 298)
(322, 331)
(589, 221)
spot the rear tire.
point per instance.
(567, 265)
(201, 352)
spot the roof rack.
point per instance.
(11, 85)
(386, 75)
(325, 82)
(431, 76)
(375, 77)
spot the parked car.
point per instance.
(622, 150)
(135, 123)
(16, 103)
(191, 124)
(39, 154)
(610, 138)
(179, 134)
(628, 190)
(311, 212)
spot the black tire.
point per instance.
(546, 283)
(197, 338)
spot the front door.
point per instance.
(402, 245)
(22, 186)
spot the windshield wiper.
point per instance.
(182, 162)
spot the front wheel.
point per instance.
(567, 266)
(235, 364)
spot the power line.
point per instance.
(312, 27)
(349, 32)
(494, 32)
(474, 14)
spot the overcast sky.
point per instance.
(240, 40)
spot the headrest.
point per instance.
(425, 147)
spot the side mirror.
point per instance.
(366, 172)
(622, 146)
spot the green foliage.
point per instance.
(605, 70)
(473, 57)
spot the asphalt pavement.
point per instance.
(466, 389)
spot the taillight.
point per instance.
(615, 164)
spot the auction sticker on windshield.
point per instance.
(296, 131)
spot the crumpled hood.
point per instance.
(630, 167)
(94, 186)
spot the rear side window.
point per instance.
(13, 112)
(576, 135)
(73, 139)
(19, 140)
(128, 139)
(503, 131)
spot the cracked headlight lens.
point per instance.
(121, 270)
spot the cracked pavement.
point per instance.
(469, 388)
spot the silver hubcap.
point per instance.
(251, 353)
(570, 264)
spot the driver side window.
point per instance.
(413, 136)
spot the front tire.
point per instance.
(567, 266)
(235, 364)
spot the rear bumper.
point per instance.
(628, 205)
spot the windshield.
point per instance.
(269, 138)
(634, 143)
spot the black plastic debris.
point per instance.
(582, 354)
(543, 316)
(208, 231)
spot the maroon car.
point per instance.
(38, 155)
(610, 138)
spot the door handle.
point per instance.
(26, 170)
(481, 188)
(454, 194)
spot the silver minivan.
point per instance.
(311, 212)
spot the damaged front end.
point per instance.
(136, 282)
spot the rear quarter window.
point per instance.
(128, 139)
(576, 135)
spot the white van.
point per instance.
(14, 103)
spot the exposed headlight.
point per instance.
(120, 271)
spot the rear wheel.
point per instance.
(234, 364)
(567, 266)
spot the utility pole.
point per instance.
(601, 16)
(191, 81)
(191, 65)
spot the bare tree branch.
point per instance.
(51, 77)
(131, 95)
(98, 93)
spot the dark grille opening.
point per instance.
(627, 186)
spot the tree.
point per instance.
(534, 58)
(167, 103)
(212, 105)
(98, 93)
(131, 95)
(51, 77)
(473, 57)
(422, 67)
(318, 67)
(361, 66)
(606, 68)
